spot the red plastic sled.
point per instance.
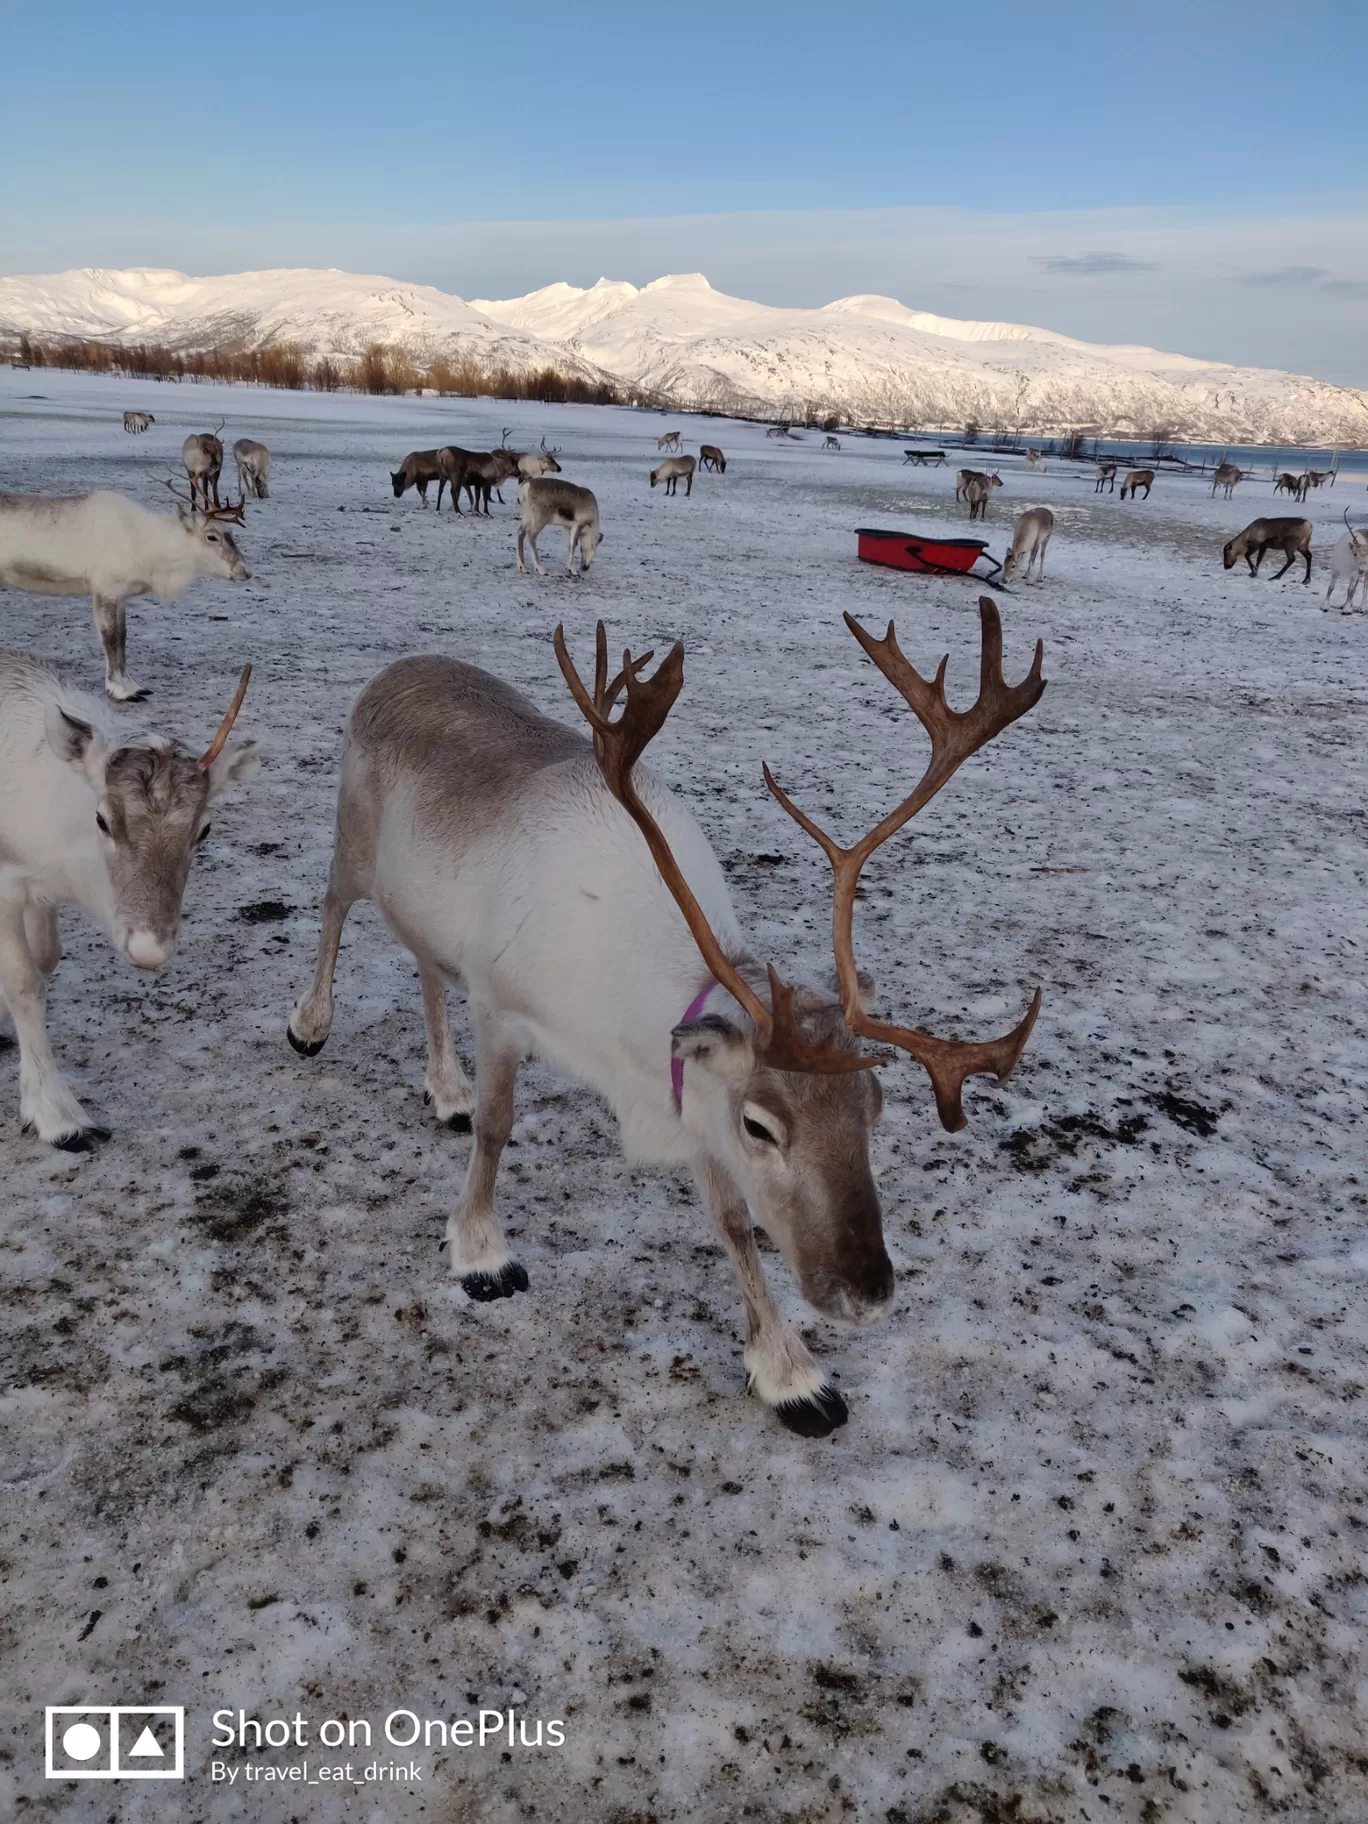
(926, 556)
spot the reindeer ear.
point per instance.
(77, 742)
(238, 761)
(717, 1044)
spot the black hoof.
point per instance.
(462, 1124)
(485, 1287)
(302, 1046)
(814, 1418)
(81, 1139)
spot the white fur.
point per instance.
(1030, 537)
(1349, 565)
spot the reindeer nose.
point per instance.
(145, 950)
(241, 574)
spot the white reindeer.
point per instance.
(111, 549)
(534, 463)
(1349, 565)
(98, 818)
(507, 855)
(1030, 537)
(253, 468)
(137, 422)
(670, 441)
(674, 470)
(543, 503)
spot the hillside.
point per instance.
(870, 359)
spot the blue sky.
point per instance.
(1123, 172)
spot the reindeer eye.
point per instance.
(758, 1129)
(100, 823)
(203, 833)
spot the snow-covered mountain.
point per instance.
(324, 312)
(870, 359)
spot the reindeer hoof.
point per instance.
(305, 1047)
(462, 1124)
(814, 1418)
(485, 1287)
(80, 1139)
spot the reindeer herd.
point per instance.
(544, 871)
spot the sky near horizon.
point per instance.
(1159, 175)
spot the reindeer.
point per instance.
(202, 454)
(831, 443)
(976, 492)
(574, 509)
(1137, 478)
(506, 854)
(1227, 476)
(670, 441)
(111, 549)
(710, 457)
(1349, 565)
(1317, 478)
(482, 474)
(538, 462)
(964, 476)
(1290, 536)
(417, 469)
(1034, 459)
(253, 468)
(137, 422)
(1106, 477)
(1030, 537)
(1295, 485)
(97, 818)
(780, 430)
(674, 470)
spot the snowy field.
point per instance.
(1092, 1544)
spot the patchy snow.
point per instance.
(868, 358)
(1091, 1546)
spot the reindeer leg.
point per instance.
(311, 1021)
(1291, 559)
(478, 1252)
(781, 1371)
(45, 1103)
(445, 1086)
(111, 623)
(1307, 556)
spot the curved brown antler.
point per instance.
(955, 735)
(215, 747)
(618, 745)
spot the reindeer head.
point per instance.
(775, 1089)
(217, 550)
(151, 796)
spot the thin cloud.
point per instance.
(1093, 265)
(1286, 276)
(1352, 288)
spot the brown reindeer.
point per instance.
(710, 457)
(1290, 536)
(1106, 477)
(1137, 478)
(417, 469)
(976, 492)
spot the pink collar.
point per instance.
(691, 1012)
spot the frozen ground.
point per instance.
(1091, 1546)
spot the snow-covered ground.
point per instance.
(1091, 1546)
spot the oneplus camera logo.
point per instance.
(115, 1742)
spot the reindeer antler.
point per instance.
(169, 482)
(955, 735)
(618, 745)
(215, 747)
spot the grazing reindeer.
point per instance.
(1290, 536)
(1030, 537)
(417, 469)
(710, 457)
(111, 549)
(506, 854)
(253, 468)
(1228, 477)
(674, 470)
(137, 422)
(93, 817)
(976, 492)
(202, 454)
(670, 441)
(1295, 485)
(1106, 477)
(780, 430)
(832, 443)
(545, 502)
(1137, 478)
(1349, 565)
